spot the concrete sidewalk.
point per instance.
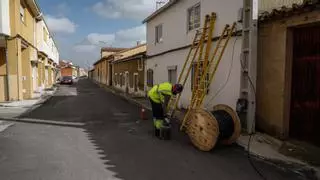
(15, 109)
(262, 146)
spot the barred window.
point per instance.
(194, 17)
(158, 31)
(150, 78)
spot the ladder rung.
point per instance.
(245, 90)
(246, 29)
(245, 70)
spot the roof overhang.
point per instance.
(34, 7)
(102, 59)
(42, 54)
(283, 12)
(160, 10)
(34, 60)
(131, 58)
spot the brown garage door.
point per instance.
(305, 99)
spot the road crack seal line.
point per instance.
(40, 121)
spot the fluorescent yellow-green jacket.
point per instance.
(158, 92)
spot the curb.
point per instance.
(303, 170)
(4, 125)
(46, 122)
(42, 100)
(39, 103)
(300, 168)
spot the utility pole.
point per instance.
(249, 61)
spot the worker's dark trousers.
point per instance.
(157, 110)
(157, 113)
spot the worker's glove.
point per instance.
(166, 121)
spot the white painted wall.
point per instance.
(34, 77)
(41, 44)
(4, 18)
(48, 47)
(33, 54)
(228, 95)
(174, 22)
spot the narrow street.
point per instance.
(98, 136)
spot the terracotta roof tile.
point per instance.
(306, 6)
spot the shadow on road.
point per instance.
(126, 145)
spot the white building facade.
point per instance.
(4, 32)
(4, 18)
(170, 32)
(49, 57)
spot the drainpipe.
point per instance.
(18, 85)
(7, 71)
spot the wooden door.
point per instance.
(305, 92)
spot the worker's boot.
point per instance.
(157, 127)
(165, 132)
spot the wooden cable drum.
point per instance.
(206, 129)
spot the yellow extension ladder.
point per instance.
(196, 52)
(208, 68)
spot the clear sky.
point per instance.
(81, 27)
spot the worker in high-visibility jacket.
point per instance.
(159, 96)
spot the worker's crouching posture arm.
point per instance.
(159, 96)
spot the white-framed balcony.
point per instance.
(4, 18)
(44, 48)
(34, 56)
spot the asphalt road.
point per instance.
(98, 136)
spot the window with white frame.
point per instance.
(123, 80)
(115, 78)
(120, 79)
(127, 83)
(140, 64)
(22, 14)
(194, 17)
(45, 35)
(172, 74)
(136, 81)
(158, 31)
